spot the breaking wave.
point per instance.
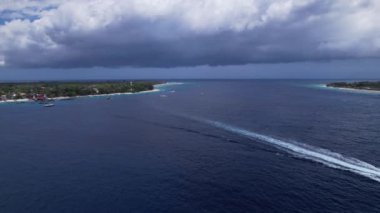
(324, 156)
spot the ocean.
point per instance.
(195, 146)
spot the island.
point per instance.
(43, 91)
(362, 85)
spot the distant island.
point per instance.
(362, 85)
(53, 90)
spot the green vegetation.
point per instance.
(70, 89)
(366, 85)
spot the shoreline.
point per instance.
(155, 89)
(74, 97)
(352, 89)
(168, 84)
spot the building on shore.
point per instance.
(40, 97)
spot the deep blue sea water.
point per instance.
(203, 146)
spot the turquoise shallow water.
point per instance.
(203, 146)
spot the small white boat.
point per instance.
(49, 105)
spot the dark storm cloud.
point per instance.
(170, 34)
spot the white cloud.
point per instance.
(20, 9)
(127, 32)
(20, 5)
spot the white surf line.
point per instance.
(82, 96)
(342, 89)
(324, 156)
(167, 84)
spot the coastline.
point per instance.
(17, 101)
(155, 89)
(168, 84)
(82, 96)
(351, 89)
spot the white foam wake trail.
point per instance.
(326, 157)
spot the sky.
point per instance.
(84, 39)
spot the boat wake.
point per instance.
(324, 156)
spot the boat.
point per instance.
(49, 105)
